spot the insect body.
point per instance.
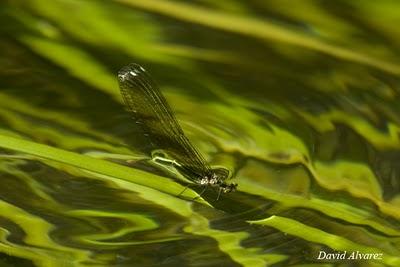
(152, 113)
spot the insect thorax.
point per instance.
(215, 180)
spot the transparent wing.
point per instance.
(152, 113)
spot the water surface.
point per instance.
(299, 99)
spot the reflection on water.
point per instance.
(298, 99)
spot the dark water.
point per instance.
(299, 99)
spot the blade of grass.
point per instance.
(93, 165)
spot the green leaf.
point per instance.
(97, 166)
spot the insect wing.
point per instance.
(152, 113)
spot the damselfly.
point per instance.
(151, 112)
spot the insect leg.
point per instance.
(219, 193)
(202, 192)
(186, 187)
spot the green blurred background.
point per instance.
(299, 99)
